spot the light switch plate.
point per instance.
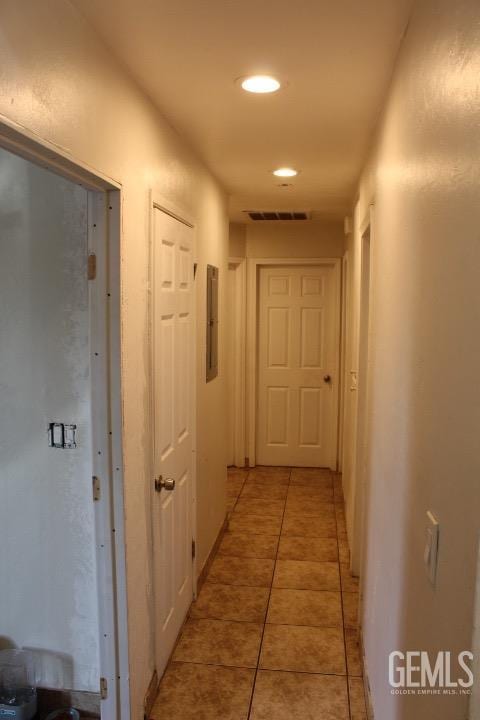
(430, 557)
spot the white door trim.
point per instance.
(343, 353)
(360, 469)
(160, 202)
(239, 320)
(254, 264)
(104, 292)
(104, 239)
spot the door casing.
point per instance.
(361, 433)
(237, 320)
(104, 211)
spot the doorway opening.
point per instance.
(62, 472)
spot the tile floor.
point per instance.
(273, 632)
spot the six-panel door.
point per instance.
(173, 357)
(298, 365)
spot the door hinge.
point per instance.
(92, 266)
(194, 549)
(96, 488)
(103, 688)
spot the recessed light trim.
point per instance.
(260, 84)
(285, 172)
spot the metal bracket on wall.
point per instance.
(96, 488)
(103, 688)
(92, 266)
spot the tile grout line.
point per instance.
(268, 603)
(272, 670)
(341, 601)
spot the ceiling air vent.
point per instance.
(276, 215)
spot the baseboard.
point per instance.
(208, 563)
(151, 695)
(366, 681)
(49, 699)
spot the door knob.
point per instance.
(327, 379)
(164, 484)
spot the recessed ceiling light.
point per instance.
(285, 172)
(260, 84)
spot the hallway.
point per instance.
(241, 235)
(273, 633)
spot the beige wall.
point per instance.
(305, 238)
(424, 180)
(59, 82)
(237, 240)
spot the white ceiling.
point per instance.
(336, 56)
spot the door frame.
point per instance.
(360, 462)
(104, 236)
(343, 357)
(253, 273)
(239, 321)
(157, 201)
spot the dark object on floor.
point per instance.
(65, 714)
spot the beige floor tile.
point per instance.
(308, 548)
(250, 546)
(354, 661)
(204, 692)
(358, 708)
(349, 582)
(260, 506)
(298, 526)
(235, 485)
(311, 477)
(309, 508)
(255, 524)
(218, 642)
(264, 491)
(305, 607)
(241, 571)
(341, 520)
(231, 502)
(267, 481)
(306, 575)
(350, 609)
(299, 696)
(231, 602)
(306, 492)
(262, 472)
(303, 649)
(343, 550)
(233, 471)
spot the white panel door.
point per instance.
(298, 365)
(173, 387)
